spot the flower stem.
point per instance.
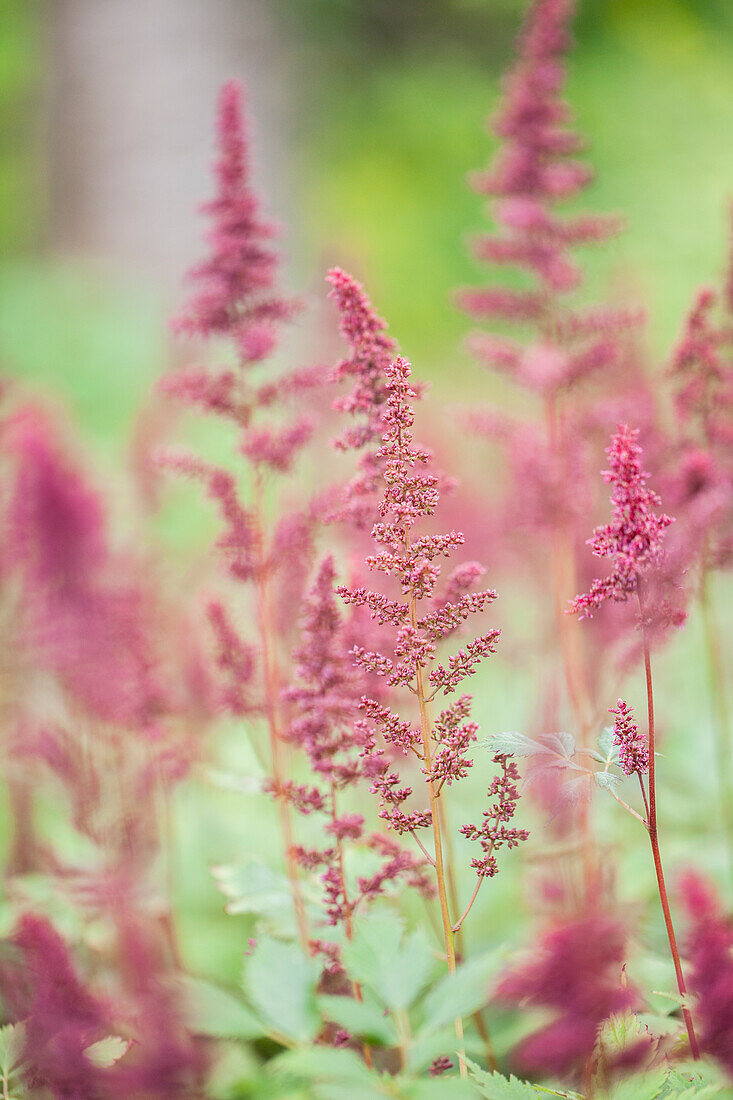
(272, 706)
(654, 839)
(440, 870)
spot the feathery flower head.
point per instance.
(633, 539)
(495, 831)
(370, 353)
(534, 170)
(235, 284)
(577, 972)
(710, 976)
(633, 746)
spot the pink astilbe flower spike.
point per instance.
(633, 539)
(495, 830)
(235, 295)
(325, 724)
(701, 476)
(710, 954)
(408, 496)
(633, 754)
(82, 611)
(236, 301)
(535, 169)
(370, 352)
(576, 972)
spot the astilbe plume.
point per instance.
(236, 301)
(633, 756)
(633, 538)
(495, 830)
(576, 971)
(633, 542)
(535, 169)
(419, 620)
(410, 495)
(63, 1017)
(710, 955)
(79, 618)
(701, 481)
(326, 725)
(235, 297)
(370, 352)
(566, 346)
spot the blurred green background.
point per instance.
(383, 106)
(387, 101)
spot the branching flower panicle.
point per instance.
(633, 538)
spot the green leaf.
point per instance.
(323, 1064)
(609, 752)
(518, 744)
(607, 781)
(459, 994)
(280, 982)
(380, 958)
(650, 1086)
(362, 1018)
(253, 888)
(439, 1088)
(209, 1010)
(12, 1042)
(495, 1087)
(106, 1052)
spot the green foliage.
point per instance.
(381, 957)
(12, 1039)
(365, 1019)
(105, 1052)
(459, 994)
(212, 1011)
(279, 982)
(496, 1087)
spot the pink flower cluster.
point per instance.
(495, 830)
(535, 168)
(633, 746)
(633, 539)
(326, 725)
(709, 950)
(576, 972)
(410, 494)
(235, 296)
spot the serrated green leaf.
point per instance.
(496, 1087)
(12, 1042)
(459, 994)
(361, 1018)
(279, 981)
(607, 748)
(210, 1010)
(107, 1051)
(607, 781)
(649, 1086)
(381, 958)
(515, 744)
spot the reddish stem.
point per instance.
(654, 838)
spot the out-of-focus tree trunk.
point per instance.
(132, 85)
